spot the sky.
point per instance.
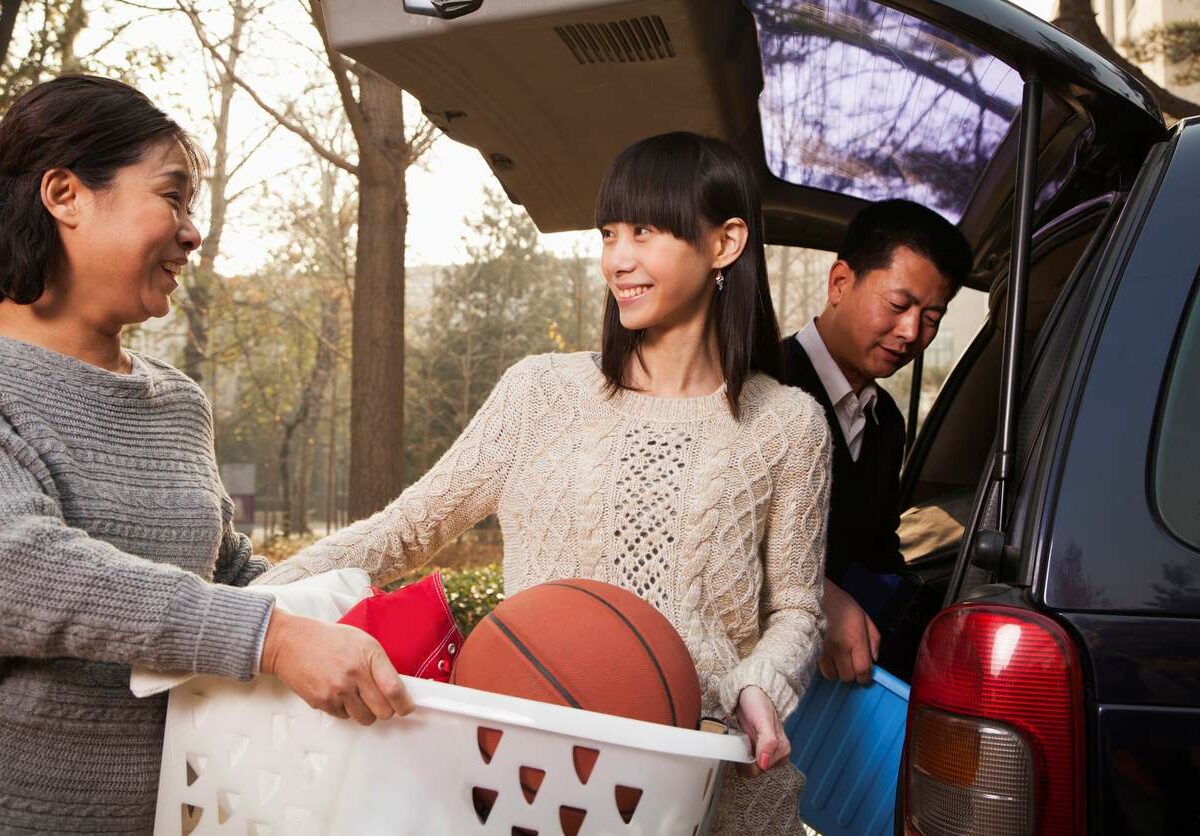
(444, 192)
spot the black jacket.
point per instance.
(864, 508)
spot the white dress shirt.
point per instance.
(851, 409)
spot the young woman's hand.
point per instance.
(757, 716)
(333, 667)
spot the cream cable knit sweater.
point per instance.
(719, 523)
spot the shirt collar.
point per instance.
(832, 378)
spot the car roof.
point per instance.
(549, 91)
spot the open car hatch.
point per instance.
(836, 101)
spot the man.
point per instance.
(899, 266)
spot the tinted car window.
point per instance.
(1177, 471)
(862, 99)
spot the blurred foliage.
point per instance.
(473, 592)
(1178, 42)
(282, 547)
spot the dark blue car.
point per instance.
(1050, 629)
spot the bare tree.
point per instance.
(8, 21)
(375, 113)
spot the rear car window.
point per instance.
(862, 99)
(1177, 465)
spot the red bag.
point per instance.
(415, 626)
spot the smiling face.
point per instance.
(124, 245)
(658, 280)
(876, 323)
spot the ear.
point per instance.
(729, 240)
(61, 190)
(840, 278)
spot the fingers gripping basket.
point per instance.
(253, 758)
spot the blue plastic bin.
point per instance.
(847, 740)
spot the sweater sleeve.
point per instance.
(462, 488)
(793, 571)
(237, 564)
(65, 593)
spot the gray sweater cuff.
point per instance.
(214, 629)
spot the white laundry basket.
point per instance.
(253, 758)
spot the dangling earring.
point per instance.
(720, 281)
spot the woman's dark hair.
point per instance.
(876, 231)
(92, 126)
(687, 184)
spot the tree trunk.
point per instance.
(377, 364)
(1078, 19)
(74, 23)
(8, 19)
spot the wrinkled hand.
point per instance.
(334, 667)
(757, 716)
(852, 640)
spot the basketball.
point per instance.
(584, 644)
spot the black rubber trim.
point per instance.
(525, 651)
(661, 675)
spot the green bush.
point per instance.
(472, 592)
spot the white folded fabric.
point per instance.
(327, 597)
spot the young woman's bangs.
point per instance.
(656, 189)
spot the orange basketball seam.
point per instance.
(542, 669)
(662, 676)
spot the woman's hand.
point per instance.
(757, 716)
(333, 667)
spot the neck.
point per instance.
(679, 362)
(41, 324)
(830, 336)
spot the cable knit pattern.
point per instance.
(719, 523)
(112, 519)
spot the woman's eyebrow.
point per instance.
(178, 176)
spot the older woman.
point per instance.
(116, 542)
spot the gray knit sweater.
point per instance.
(112, 523)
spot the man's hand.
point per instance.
(852, 640)
(757, 716)
(334, 667)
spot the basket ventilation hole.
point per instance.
(483, 800)
(195, 766)
(190, 817)
(488, 739)
(281, 728)
(585, 761)
(257, 828)
(200, 707)
(524, 831)
(236, 745)
(627, 801)
(298, 820)
(531, 782)
(707, 783)
(268, 785)
(227, 804)
(571, 819)
(315, 763)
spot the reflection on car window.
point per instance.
(864, 100)
(1177, 469)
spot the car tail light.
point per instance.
(995, 727)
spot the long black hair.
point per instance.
(92, 126)
(687, 184)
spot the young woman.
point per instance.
(672, 464)
(116, 539)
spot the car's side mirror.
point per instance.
(445, 9)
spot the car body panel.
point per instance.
(1108, 551)
(1150, 759)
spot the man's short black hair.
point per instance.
(876, 231)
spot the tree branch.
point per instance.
(282, 118)
(337, 65)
